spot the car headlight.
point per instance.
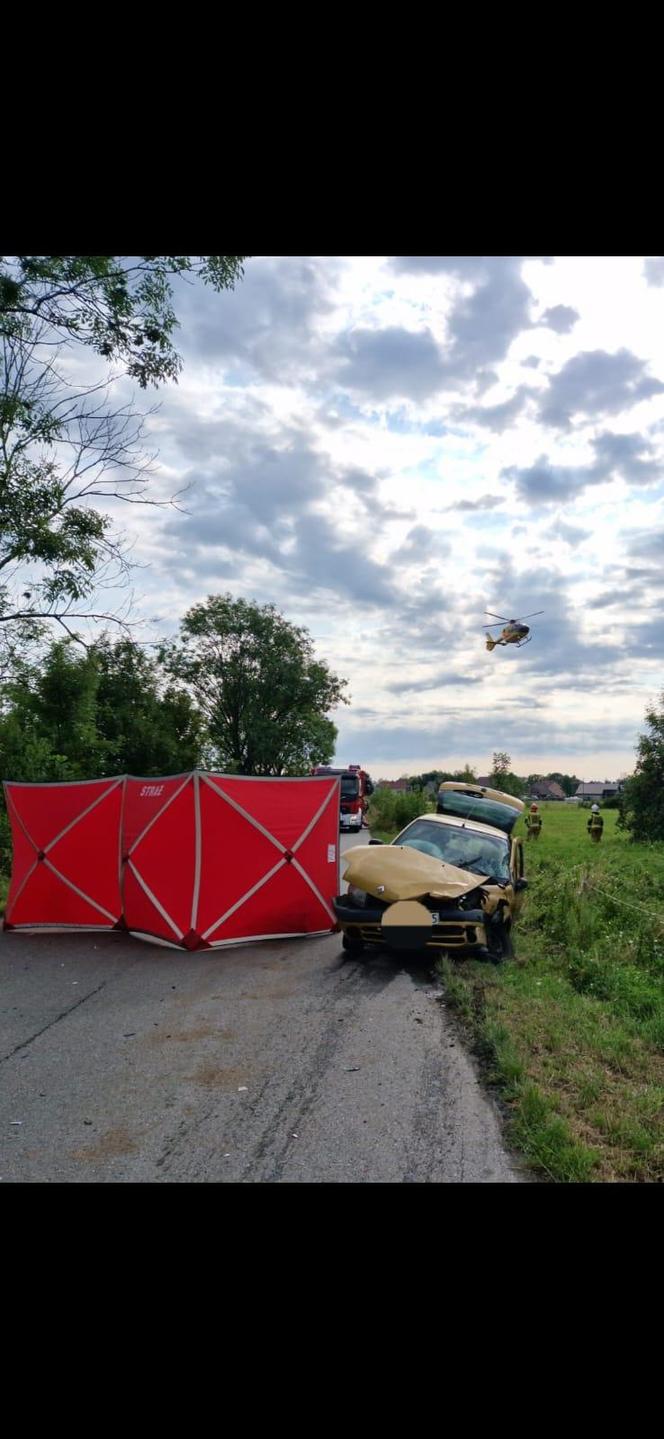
(357, 896)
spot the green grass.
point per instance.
(571, 1032)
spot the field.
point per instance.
(571, 1032)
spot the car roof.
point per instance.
(452, 821)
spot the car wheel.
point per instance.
(354, 947)
(508, 942)
(501, 943)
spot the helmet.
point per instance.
(533, 807)
(595, 809)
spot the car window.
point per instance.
(466, 848)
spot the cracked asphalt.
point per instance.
(280, 1062)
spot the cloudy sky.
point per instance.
(386, 447)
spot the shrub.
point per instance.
(390, 810)
(642, 809)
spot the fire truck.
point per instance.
(356, 786)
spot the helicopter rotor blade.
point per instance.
(496, 617)
(494, 626)
(528, 617)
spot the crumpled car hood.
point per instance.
(406, 873)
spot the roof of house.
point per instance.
(548, 789)
(596, 786)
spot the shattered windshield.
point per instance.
(481, 853)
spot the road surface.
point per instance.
(278, 1062)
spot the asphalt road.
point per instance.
(277, 1062)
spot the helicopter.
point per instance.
(514, 632)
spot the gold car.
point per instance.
(451, 881)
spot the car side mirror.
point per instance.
(376, 841)
(520, 884)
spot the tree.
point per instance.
(118, 305)
(62, 447)
(81, 714)
(568, 782)
(48, 729)
(502, 778)
(143, 727)
(78, 714)
(502, 763)
(642, 810)
(438, 776)
(24, 755)
(263, 693)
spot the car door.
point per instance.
(517, 873)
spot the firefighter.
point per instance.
(533, 823)
(595, 824)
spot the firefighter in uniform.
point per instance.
(595, 824)
(533, 823)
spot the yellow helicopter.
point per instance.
(514, 632)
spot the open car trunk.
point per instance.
(489, 806)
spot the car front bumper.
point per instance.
(459, 930)
(350, 821)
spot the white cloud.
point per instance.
(386, 447)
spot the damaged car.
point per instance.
(450, 882)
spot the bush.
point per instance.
(642, 808)
(390, 810)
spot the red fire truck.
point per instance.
(356, 786)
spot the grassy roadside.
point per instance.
(571, 1032)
